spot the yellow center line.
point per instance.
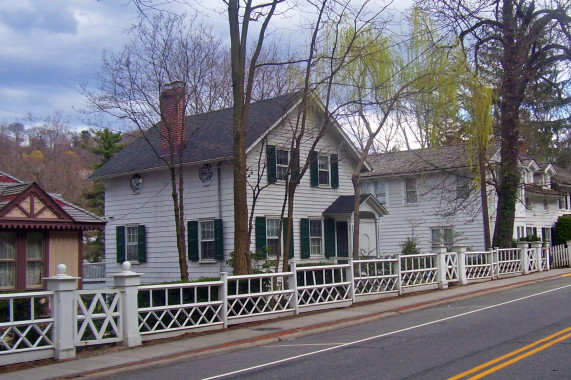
(518, 358)
(509, 355)
(566, 275)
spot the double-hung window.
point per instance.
(443, 236)
(410, 190)
(34, 259)
(324, 170)
(462, 188)
(380, 191)
(272, 235)
(207, 240)
(282, 163)
(132, 243)
(8, 259)
(315, 237)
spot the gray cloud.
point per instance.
(48, 16)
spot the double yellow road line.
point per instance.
(521, 353)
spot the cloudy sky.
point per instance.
(50, 47)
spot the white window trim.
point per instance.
(285, 166)
(319, 170)
(277, 237)
(322, 253)
(406, 191)
(201, 259)
(136, 243)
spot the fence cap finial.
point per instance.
(126, 266)
(61, 269)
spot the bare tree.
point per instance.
(165, 49)
(520, 42)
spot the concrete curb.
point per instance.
(289, 334)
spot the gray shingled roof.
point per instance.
(418, 160)
(209, 136)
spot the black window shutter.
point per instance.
(314, 169)
(284, 230)
(120, 234)
(261, 234)
(334, 171)
(329, 227)
(304, 237)
(218, 242)
(271, 163)
(142, 243)
(192, 232)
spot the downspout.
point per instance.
(218, 178)
(377, 237)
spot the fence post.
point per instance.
(351, 278)
(522, 246)
(224, 292)
(293, 285)
(399, 274)
(128, 283)
(547, 251)
(568, 250)
(495, 255)
(536, 245)
(461, 251)
(441, 266)
(64, 287)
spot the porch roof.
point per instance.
(344, 205)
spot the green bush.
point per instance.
(562, 232)
(409, 247)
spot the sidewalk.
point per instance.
(116, 360)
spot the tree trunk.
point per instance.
(179, 222)
(512, 97)
(484, 197)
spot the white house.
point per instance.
(138, 203)
(431, 195)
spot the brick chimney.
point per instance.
(172, 104)
(522, 146)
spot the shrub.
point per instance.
(409, 247)
(562, 232)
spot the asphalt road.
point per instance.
(522, 333)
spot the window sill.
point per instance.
(207, 261)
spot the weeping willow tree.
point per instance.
(479, 130)
(430, 113)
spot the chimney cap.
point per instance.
(174, 84)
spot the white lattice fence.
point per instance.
(98, 317)
(531, 259)
(418, 270)
(559, 256)
(509, 260)
(451, 261)
(26, 324)
(252, 296)
(377, 276)
(478, 265)
(323, 285)
(176, 307)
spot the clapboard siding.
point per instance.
(436, 195)
(153, 205)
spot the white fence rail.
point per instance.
(251, 296)
(98, 317)
(178, 307)
(26, 327)
(130, 313)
